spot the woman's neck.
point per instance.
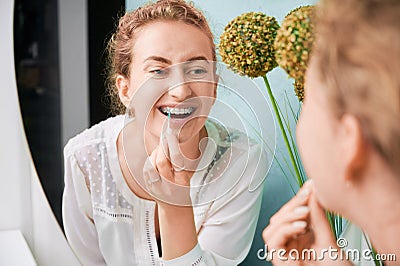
(376, 209)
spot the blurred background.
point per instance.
(60, 61)
(59, 65)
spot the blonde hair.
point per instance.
(357, 51)
(121, 43)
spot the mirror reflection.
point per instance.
(37, 74)
(47, 103)
(137, 190)
(41, 89)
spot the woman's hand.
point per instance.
(169, 184)
(299, 228)
(165, 176)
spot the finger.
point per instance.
(301, 199)
(181, 176)
(319, 221)
(150, 173)
(150, 166)
(277, 237)
(164, 144)
(155, 183)
(163, 165)
(288, 216)
(175, 154)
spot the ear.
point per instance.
(122, 84)
(354, 149)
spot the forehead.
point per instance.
(173, 40)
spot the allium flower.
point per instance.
(299, 89)
(294, 41)
(247, 44)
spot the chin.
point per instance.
(190, 129)
(188, 133)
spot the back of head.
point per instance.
(357, 52)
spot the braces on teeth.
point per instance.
(177, 111)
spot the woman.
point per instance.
(115, 214)
(348, 133)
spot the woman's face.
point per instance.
(319, 140)
(159, 46)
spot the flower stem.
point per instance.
(377, 262)
(279, 119)
(333, 219)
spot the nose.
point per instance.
(181, 91)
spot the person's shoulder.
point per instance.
(97, 133)
(229, 137)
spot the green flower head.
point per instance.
(247, 44)
(293, 43)
(299, 89)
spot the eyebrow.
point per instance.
(157, 58)
(196, 58)
(166, 61)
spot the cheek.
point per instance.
(203, 89)
(306, 142)
(206, 96)
(154, 122)
(316, 144)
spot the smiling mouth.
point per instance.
(177, 113)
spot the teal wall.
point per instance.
(219, 13)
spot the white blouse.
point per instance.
(107, 224)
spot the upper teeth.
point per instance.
(177, 111)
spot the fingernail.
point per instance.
(309, 182)
(304, 192)
(302, 210)
(300, 224)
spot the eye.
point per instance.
(196, 72)
(158, 73)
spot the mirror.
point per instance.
(61, 93)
